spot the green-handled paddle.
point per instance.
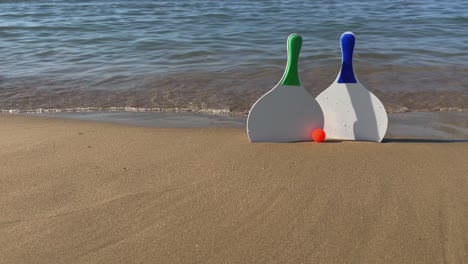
(287, 113)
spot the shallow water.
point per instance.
(221, 56)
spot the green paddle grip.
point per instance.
(291, 76)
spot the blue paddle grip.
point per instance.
(347, 47)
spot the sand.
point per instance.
(86, 192)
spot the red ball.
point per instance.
(318, 135)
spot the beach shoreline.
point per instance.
(449, 126)
(123, 132)
(77, 191)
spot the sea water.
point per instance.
(220, 56)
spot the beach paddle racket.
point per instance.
(351, 111)
(287, 113)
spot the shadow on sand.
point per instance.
(421, 140)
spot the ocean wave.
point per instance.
(222, 112)
(208, 111)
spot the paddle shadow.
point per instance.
(366, 125)
(422, 140)
(332, 141)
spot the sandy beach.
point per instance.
(87, 192)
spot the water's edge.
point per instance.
(403, 127)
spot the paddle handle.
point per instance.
(291, 75)
(347, 47)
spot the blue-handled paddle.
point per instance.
(351, 111)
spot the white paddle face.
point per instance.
(287, 113)
(284, 114)
(351, 111)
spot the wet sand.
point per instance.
(448, 126)
(88, 192)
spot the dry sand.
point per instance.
(83, 192)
